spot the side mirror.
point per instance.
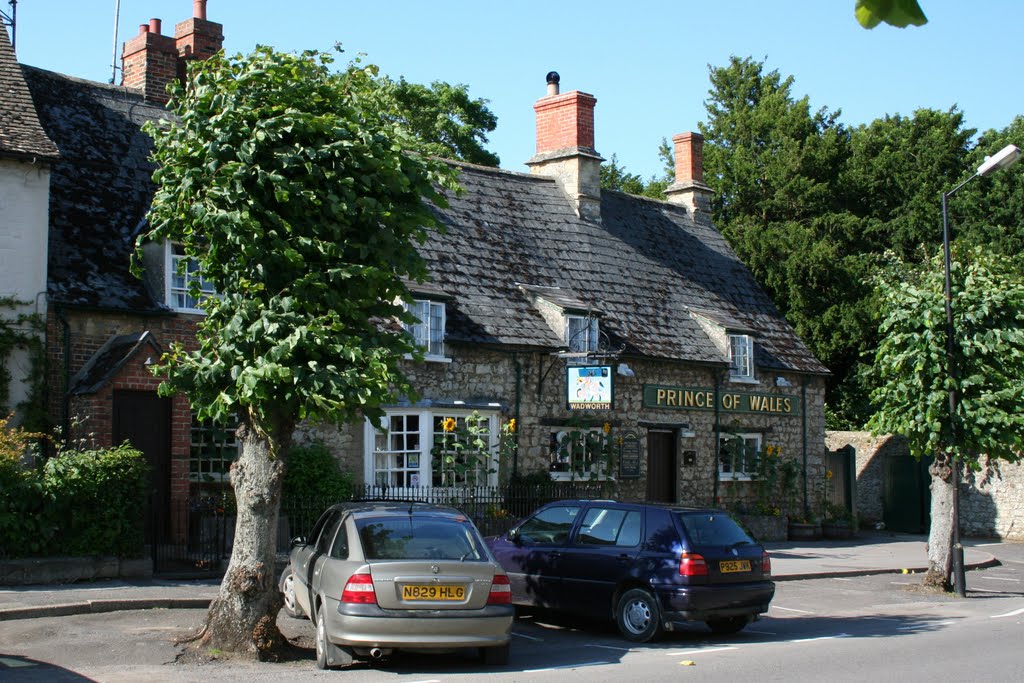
(298, 540)
(513, 535)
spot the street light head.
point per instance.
(1000, 160)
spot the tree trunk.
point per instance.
(940, 535)
(243, 618)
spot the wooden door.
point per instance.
(661, 467)
(144, 419)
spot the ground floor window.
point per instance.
(212, 450)
(412, 448)
(582, 453)
(738, 455)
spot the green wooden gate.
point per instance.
(906, 497)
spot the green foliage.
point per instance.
(899, 13)
(911, 372)
(587, 453)
(615, 177)
(314, 474)
(302, 203)
(98, 496)
(23, 331)
(25, 527)
(462, 452)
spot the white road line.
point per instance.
(914, 628)
(609, 647)
(1008, 614)
(998, 578)
(567, 666)
(790, 609)
(984, 590)
(811, 640)
(761, 633)
(840, 578)
(699, 652)
(523, 635)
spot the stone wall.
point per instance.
(991, 500)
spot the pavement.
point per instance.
(868, 553)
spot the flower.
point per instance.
(512, 425)
(607, 428)
(448, 425)
(828, 475)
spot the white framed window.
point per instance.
(429, 331)
(212, 450)
(580, 454)
(581, 333)
(181, 271)
(741, 357)
(738, 456)
(410, 448)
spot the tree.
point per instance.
(913, 378)
(302, 203)
(899, 13)
(615, 177)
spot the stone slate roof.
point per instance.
(109, 359)
(643, 268)
(100, 189)
(21, 135)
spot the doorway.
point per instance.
(144, 419)
(661, 466)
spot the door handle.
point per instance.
(623, 558)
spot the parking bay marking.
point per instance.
(699, 651)
(790, 609)
(1008, 614)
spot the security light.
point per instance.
(1001, 159)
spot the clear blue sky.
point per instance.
(646, 61)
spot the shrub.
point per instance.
(98, 496)
(26, 523)
(313, 481)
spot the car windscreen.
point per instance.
(713, 528)
(419, 537)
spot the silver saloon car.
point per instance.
(375, 577)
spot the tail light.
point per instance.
(501, 591)
(692, 564)
(359, 590)
(766, 564)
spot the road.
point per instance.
(864, 628)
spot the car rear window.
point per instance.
(712, 528)
(412, 537)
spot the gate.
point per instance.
(841, 488)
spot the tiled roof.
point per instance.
(100, 189)
(20, 132)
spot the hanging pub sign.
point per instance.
(589, 387)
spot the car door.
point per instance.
(531, 551)
(600, 555)
(304, 557)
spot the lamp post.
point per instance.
(1002, 159)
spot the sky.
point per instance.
(646, 61)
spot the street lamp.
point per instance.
(1000, 160)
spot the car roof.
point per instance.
(665, 506)
(397, 507)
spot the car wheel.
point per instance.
(728, 625)
(495, 656)
(291, 607)
(638, 616)
(321, 641)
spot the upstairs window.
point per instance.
(741, 357)
(581, 333)
(429, 331)
(182, 273)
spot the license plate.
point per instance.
(727, 566)
(431, 592)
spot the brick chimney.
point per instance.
(689, 189)
(150, 61)
(565, 146)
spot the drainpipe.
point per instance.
(718, 438)
(803, 426)
(519, 381)
(66, 344)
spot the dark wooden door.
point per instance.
(661, 467)
(906, 498)
(144, 419)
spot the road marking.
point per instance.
(985, 590)
(915, 628)
(699, 652)
(840, 578)
(567, 666)
(15, 663)
(790, 609)
(523, 635)
(998, 578)
(609, 647)
(811, 640)
(1008, 614)
(762, 633)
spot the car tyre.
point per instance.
(321, 641)
(638, 616)
(495, 656)
(291, 607)
(727, 625)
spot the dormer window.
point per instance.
(182, 272)
(429, 331)
(741, 357)
(581, 333)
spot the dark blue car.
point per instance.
(649, 567)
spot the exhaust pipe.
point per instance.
(376, 652)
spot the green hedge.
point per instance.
(313, 481)
(79, 503)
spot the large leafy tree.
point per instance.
(912, 374)
(898, 13)
(302, 202)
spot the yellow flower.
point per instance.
(448, 424)
(828, 475)
(512, 425)
(769, 450)
(607, 427)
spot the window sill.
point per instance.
(574, 476)
(734, 476)
(430, 359)
(743, 380)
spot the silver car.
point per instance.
(375, 577)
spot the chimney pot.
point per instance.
(154, 26)
(689, 189)
(199, 9)
(552, 79)
(143, 28)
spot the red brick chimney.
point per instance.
(689, 189)
(565, 146)
(150, 61)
